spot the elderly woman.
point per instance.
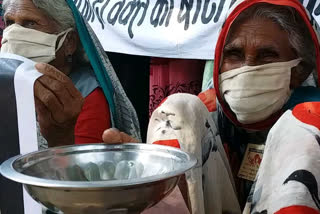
(70, 104)
(266, 63)
(76, 99)
(264, 57)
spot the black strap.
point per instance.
(11, 197)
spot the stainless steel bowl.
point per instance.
(99, 178)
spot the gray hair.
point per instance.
(56, 9)
(291, 22)
(59, 11)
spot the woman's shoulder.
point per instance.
(84, 80)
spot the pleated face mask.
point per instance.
(32, 44)
(254, 93)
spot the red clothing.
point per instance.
(93, 119)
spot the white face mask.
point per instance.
(256, 92)
(32, 44)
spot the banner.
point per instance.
(17, 127)
(162, 28)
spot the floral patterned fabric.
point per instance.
(170, 76)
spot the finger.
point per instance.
(125, 138)
(57, 88)
(71, 106)
(51, 71)
(54, 134)
(47, 98)
(58, 75)
(40, 108)
(43, 115)
(111, 136)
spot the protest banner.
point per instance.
(162, 28)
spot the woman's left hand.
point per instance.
(58, 105)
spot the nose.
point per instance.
(250, 60)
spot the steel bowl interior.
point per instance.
(98, 165)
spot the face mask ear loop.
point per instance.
(63, 38)
(297, 62)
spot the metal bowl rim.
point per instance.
(8, 171)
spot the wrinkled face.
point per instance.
(26, 14)
(256, 42)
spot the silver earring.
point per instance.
(69, 58)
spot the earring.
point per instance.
(69, 58)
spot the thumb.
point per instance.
(112, 136)
(127, 138)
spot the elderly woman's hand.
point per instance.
(113, 136)
(58, 105)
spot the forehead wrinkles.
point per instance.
(260, 32)
(14, 6)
